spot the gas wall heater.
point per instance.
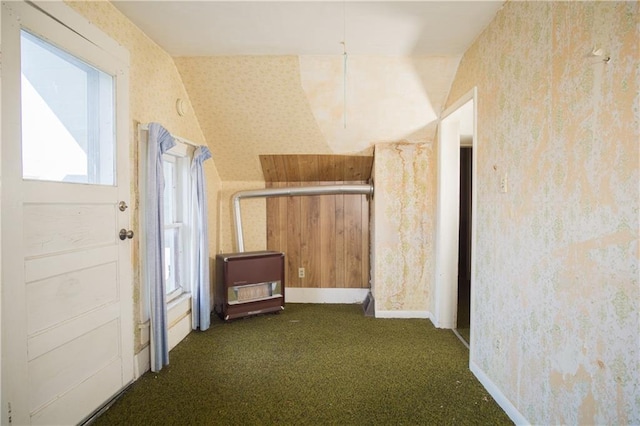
(249, 283)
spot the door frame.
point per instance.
(14, 407)
(445, 301)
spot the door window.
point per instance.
(68, 126)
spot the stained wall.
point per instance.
(154, 87)
(403, 228)
(556, 315)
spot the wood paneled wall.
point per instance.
(316, 168)
(328, 235)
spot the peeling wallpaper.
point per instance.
(403, 227)
(155, 85)
(556, 319)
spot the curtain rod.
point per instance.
(178, 138)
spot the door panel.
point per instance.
(75, 402)
(54, 228)
(41, 343)
(67, 303)
(40, 268)
(63, 297)
(61, 369)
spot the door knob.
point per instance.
(122, 206)
(124, 234)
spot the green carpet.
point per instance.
(312, 364)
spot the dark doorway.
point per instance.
(464, 245)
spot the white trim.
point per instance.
(178, 308)
(459, 336)
(499, 397)
(79, 24)
(179, 320)
(179, 330)
(325, 295)
(445, 294)
(142, 362)
(145, 331)
(14, 343)
(471, 95)
(145, 128)
(403, 314)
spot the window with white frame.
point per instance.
(176, 230)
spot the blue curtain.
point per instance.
(160, 141)
(200, 304)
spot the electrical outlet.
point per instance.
(300, 272)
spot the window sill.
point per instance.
(174, 295)
(179, 306)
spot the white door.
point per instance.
(67, 306)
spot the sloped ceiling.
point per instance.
(250, 106)
(267, 77)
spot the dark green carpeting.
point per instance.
(312, 364)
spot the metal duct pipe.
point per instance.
(290, 192)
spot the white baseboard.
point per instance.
(325, 295)
(500, 398)
(403, 314)
(179, 331)
(179, 314)
(142, 363)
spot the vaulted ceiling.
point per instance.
(272, 77)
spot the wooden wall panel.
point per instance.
(269, 168)
(329, 168)
(353, 240)
(310, 252)
(327, 240)
(292, 168)
(293, 249)
(273, 233)
(366, 248)
(340, 239)
(328, 235)
(316, 168)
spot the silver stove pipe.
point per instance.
(290, 192)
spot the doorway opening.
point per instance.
(455, 229)
(463, 312)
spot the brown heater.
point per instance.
(249, 283)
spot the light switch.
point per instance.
(504, 183)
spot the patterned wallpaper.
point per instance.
(556, 323)
(254, 218)
(403, 227)
(249, 106)
(255, 105)
(155, 85)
